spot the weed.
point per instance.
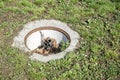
(64, 45)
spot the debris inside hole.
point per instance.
(49, 45)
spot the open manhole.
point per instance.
(47, 40)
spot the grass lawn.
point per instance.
(96, 21)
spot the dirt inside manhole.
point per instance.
(47, 40)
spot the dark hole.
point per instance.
(45, 43)
(49, 40)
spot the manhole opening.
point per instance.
(47, 40)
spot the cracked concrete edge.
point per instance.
(18, 41)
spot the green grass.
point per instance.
(96, 21)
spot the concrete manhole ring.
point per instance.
(50, 28)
